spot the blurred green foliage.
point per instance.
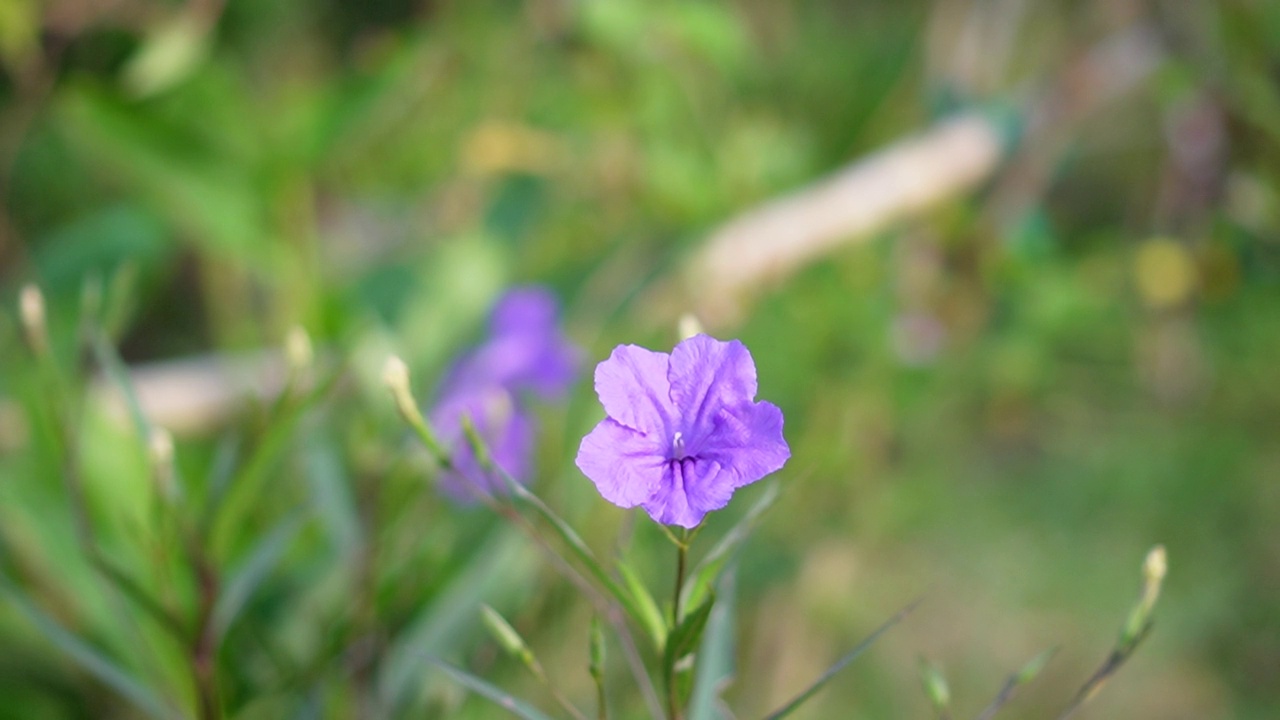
(1007, 407)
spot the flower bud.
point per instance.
(688, 326)
(297, 350)
(31, 309)
(160, 452)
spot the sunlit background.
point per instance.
(999, 396)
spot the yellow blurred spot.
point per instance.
(497, 147)
(1165, 273)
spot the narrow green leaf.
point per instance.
(1025, 675)
(578, 547)
(500, 697)
(705, 574)
(500, 566)
(684, 637)
(1032, 669)
(715, 656)
(88, 657)
(251, 573)
(227, 512)
(935, 687)
(509, 639)
(596, 661)
(331, 494)
(114, 368)
(840, 664)
(651, 618)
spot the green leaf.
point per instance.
(510, 640)
(246, 578)
(88, 657)
(650, 616)
(715, 656)
(935, 687)
(1025, 675)
(501, 565)
(500, 697)
(109, 360)
(331, 494)
(840, 664)
(597, 650)
(579, 549)
(705, 574)
(684, 637)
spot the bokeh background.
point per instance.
(1001, 400)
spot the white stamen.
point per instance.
(677, 444)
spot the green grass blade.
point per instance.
(715, 666)
(88, 657)
(251, 573)
(840, 664)
(500, 697)
(580, 551)
(650, 616)
(501, 565)
(705, 574)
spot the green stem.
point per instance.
(682, 557)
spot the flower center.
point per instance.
(677, 446)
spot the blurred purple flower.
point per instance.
(525, 351)
(504, 427)
(682, 431)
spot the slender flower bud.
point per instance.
(688, 326)
(160, 451)
(395, 375)
(31, 308)
(1153, 571)
(297, 350)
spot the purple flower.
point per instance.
(503, 426)
(525, 351)
(683, 431)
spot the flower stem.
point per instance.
(682, 557)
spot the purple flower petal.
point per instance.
(690, 489)
(622, 462)
(747, 442)
(632, 385)
(707, 374)
(524, 309)
(683, 431)
(525, 350)
(507, 433)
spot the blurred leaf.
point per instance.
(706, 573)
(509, 639)
(715, 667)
(840, 664)
(1029, 672)
(19, 31)
(503, 699)
(331, 494)
(227, 512)
(216, 204)
(251, 573)
(88, 657)
(100, 241)
(169, 54)
(580, 550)
(935, 688)
(651, 617)
(498, 567)
(685, 637)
